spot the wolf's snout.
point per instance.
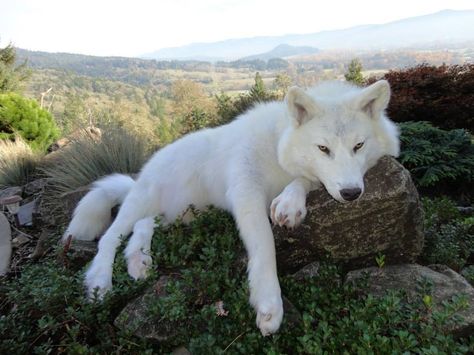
(350, 194)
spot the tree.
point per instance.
(74, 114)
(11, 76)
(282, 82)
(229, 108)
(187, 96)
(354, 72)
(257, 91)
(24, 117)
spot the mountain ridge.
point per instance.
(283, 51)
(447, 26)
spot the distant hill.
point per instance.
(283, 51)
(446, 28)
(134, 71)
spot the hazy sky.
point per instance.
(132, 28)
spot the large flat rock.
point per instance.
(387, 219)
(445, 284)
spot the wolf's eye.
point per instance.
(358, 146)
(323, 148)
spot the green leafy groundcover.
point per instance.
(44, 310)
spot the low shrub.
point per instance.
(18, 163)
(449, 237)
(440, 162)
(45, 311)
(468, 274)
(442, 95)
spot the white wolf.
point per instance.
(263, 163)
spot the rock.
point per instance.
(445, 284)
(135, 316)
(69, 202)
(45, 240)
(11, 191)
(5, 244)
(387, 219)
(71, 199)
(35, 187)
(292, 317)
(310, 270)
(466, 211)
(181, 351)
(19, 240)
(468, 274)
(89, 132)
(25, 214)
(78, 253)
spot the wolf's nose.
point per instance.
(350, 194)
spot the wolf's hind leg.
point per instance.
(137, 251)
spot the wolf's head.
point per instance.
(336, 133)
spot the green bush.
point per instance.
(449, 238)
(45, 311)
(24, 117)
(440, 162)
(18, 163)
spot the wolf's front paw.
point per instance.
(288, 209)
(269, 315)
(98, 279)
(138, 264)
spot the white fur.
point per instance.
(138, 248)
(92, 215)
(265, 162)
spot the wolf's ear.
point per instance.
(374, 99)
(301, 106)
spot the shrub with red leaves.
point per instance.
(442, 95)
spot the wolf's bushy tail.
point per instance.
(92, 215)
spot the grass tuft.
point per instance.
(88, 158)
(18, 163)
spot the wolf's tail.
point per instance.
(92, 215)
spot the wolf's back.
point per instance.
(93, 213)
